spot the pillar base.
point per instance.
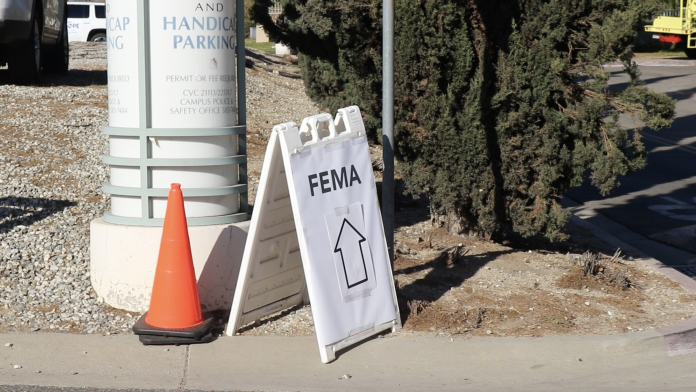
(123, 260)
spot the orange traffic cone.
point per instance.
(174, 316)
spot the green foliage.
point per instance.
(500, 106)
(340, 49)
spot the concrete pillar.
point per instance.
(173, 117)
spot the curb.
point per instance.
(680, 338)
(396, 364)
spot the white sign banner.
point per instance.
(350, 282)
(317, 204)
(121, 55)
(193, 64)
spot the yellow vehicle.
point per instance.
(677, 26)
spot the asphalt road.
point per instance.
(659, 202)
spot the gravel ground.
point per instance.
(50, 189)
(50, 185)
(275, 94)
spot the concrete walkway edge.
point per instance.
(680, 338)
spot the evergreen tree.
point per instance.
(500, 106)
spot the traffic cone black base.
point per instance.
(149, 334)
(152, 340)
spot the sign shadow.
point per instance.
(449, 269)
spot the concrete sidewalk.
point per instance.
(636, 361)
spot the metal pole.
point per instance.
(241, 101)
(145, 107)
(388, 124)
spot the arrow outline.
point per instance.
(343, 260)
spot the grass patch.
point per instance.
(262, 46)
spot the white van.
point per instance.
(86, 21)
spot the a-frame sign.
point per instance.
(316, 234)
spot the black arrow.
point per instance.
(338, 248)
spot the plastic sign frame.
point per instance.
(317, 189)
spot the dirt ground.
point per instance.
(451, 285)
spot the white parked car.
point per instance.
(86, 21)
